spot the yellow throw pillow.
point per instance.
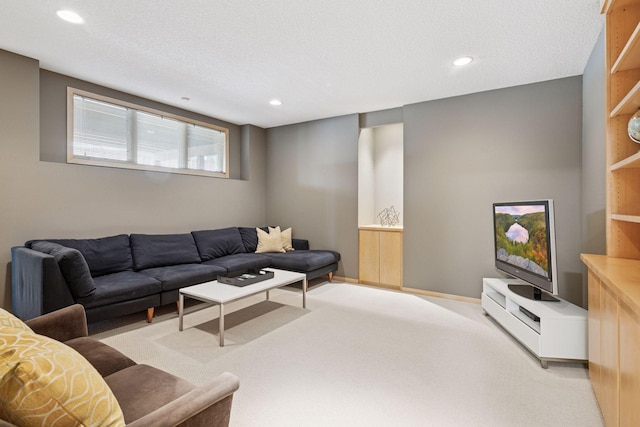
(285, 236)
(46, 383)
(8, 319)
(269, 242)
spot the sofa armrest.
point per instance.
(207, 405)
(37, 285)
(300, 244)
(62, 325)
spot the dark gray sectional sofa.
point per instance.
(117, 275)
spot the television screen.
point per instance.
(525, 242)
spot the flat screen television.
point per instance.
(525, 247)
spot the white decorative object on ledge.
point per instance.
(389, 216)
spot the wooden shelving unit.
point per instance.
(623, 100)
(629, 58)
(614, 279)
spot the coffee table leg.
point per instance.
(304, 293)
(267, 295)
(221, 323)
(180, 310)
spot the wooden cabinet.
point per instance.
(629, 366)
(608, 357)
(595, 361)
(614, 337)
(380, 256)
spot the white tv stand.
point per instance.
(560, 334)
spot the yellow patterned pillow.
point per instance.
(8, 319)
(46, 383)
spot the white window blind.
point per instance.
(107, 132)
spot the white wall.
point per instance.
(388, 169)
(366, 181)
(380, 172)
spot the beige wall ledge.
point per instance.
(378, 227)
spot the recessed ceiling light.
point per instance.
(70, 16)
(463, 61)
(275, 102)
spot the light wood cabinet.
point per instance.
(614, 337)
(380, 256)
(595, 361)
(608, 357)
(629, 366)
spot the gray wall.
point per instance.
(462, 154)
(312, 184)
(43, 199)
(594, 152)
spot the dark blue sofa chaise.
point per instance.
(118, 275)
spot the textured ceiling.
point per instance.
(322, 58)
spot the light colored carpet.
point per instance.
(361, 356)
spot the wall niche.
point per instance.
(380, 187)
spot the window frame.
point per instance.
(128, 164)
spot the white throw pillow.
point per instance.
(285, 236)
(269, 242)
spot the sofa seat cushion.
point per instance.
(142, 389)
(44, 382)
(218, 243)
(179, 276)
(240, 262)
(123, 286)
(107, 360)
(159, 250)
(105, 255)
(303, 261)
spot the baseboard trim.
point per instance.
(441, 295)
(380, 285)
(409, 290)
(346, 279)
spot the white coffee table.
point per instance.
(221, 294)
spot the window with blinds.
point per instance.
(106, 132)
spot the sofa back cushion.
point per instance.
(73, 266)
(218, 243)
(105, 255)
(159, 250)
(250, 237)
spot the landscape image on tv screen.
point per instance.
(521, 237)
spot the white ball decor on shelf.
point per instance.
(634, 127)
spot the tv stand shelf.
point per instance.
(559, 335)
